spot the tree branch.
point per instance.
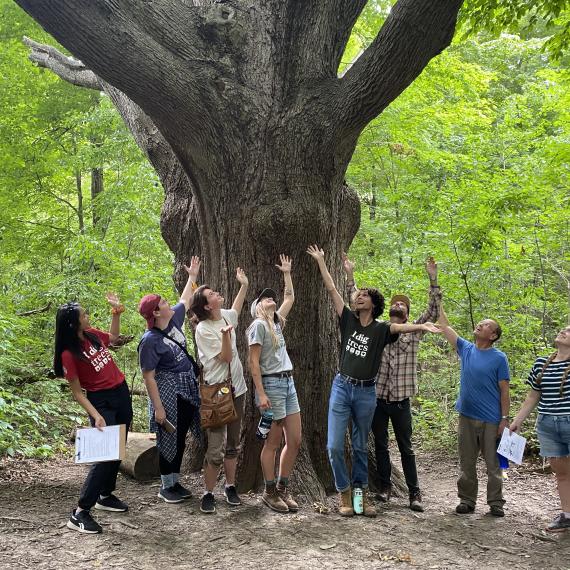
(67, 68)
(414, 32)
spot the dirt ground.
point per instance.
(36, 498)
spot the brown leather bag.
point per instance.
(217, 402)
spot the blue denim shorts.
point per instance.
(282, 395)
(553, 435)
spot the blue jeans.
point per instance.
(348, 402)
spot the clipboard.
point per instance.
(93, 445)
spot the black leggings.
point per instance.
(184, 417)
(115, 407)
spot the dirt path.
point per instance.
(36, 497)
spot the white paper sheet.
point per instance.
(93, 445)
(512, 446)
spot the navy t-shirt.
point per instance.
(156, 352)
(481, 372)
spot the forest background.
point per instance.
(470, 165)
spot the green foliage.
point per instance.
(471, 165)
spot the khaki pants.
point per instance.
(478, 437)
(223, 442)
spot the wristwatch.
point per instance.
(505, 417)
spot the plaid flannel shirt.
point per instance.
(397, 376)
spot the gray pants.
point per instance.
(478, 437)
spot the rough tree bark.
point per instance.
(239, 108)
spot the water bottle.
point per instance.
(357, 501)
(264, 424)
(504, 465)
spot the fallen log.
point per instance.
(141, 456)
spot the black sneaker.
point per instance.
(497, 511)
(208, 504)
(384, 494)
(83, 522)
(464, 509)
(559, 524)
(232, 498)
(182, 491)
(169, 495)
(111, 503)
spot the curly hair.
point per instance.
(378, 302)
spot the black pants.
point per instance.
(115, 407)
(401, 415)
(184, 417)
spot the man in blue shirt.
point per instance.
(483, 407)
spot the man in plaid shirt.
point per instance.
(396, 383)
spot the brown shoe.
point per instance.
(345, 503)
(286, 497)
(368, 508)
(272, 499)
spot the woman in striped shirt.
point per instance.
(550, 389)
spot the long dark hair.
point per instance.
(67, 336)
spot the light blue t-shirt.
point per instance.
(481, 372)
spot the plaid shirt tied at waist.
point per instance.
(171, 385)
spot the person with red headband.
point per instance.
(170, 376)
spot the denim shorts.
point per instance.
(282, 395)
(553, 435)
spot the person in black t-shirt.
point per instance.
(353, 395)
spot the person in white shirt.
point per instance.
(216, 341)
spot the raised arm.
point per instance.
(240, 297)
(446, 330)
(414, 327)
(192, 271)
(434, 300)
(116, 310)
(319, 256)
(348, 267)
(288, 293)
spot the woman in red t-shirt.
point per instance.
(82, 357)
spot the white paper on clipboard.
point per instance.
(93, 445)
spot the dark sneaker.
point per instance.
(497, 511)
(232, 498)
(464, 509)
(111, 503)
(416, 502)
(83, 522)
(287, 498)
(384, 494)
(272, 499)
(182, 491)
(559, 524)
(208, 504)
(169, 495)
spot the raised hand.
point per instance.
(430, 327)
(347, 264)
(194, 268)
(431, 268)
(316, 252)
(285, 266)
(226, 330)
(241, 276)
(113, 300)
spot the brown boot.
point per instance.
(368, 508)
(272, 499)
(286, 497)
(345, 503)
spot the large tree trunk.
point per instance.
(240, 109)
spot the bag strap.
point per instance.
(230, 362)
